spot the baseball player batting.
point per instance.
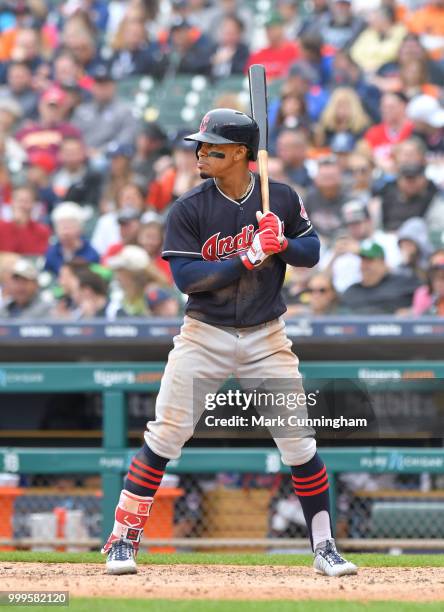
(230, 259)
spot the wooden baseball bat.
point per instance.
(259, 112)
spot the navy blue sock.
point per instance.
(145, 473)
(310, 483)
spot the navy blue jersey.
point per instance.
(206, 224)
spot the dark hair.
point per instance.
(25, 187)
(237, 20)
(91, 280)
(388, 12)
(398, 94)
(21, 64)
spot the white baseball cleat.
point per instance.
(328, 561)
(121, 558)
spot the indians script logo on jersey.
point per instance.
(223, 248)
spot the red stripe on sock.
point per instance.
(315, 492)
(148, 468)
(312, 484)
(143, 483)
(145, 475)
(308, 478)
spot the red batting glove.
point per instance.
(264, 244)
(271, 221)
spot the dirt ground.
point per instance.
(226, 582)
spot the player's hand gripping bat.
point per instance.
(259, 112)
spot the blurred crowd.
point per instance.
(356, 126)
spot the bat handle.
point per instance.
(262, 159)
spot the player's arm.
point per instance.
(195, 276)
(302, 252)
(300, 244)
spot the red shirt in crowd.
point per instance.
(28, 239)
(36, 137)
(277, 60)
(382, 139)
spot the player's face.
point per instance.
(211, 166)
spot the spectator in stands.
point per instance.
(150, 238)
(436, 276)
(360, 170)
(28, 47)
(129, 224)
(279, 53)
(411, 195)
(25, 300)
(162, 303)
(291, 114)
(10, 115)
(323, 299)
(289, 11)
(190, 51)
(19, 86)
(312, 51)
(78, 37)
(344, 113)
(231, 53)
(106, 118)
(119, 173)
(174, 180)
(428, 23)
(68, 219)
(22, 234)
(7, 263)
(312, 20)
(92, 296)
(427, 116)
(394, 127)
(415, 248)
(75, 181)
(40, 167)
(379, 43)
(379, 291)
(423, 297)
(134, 273)
(134, 53)
(340, 26)
(66, 305)
(347, 73)
(410, 50)
(301, 83)
(66, 69)
(291, 148)
(342, 146)
(325, 198)
(107, 230)
(225, 8)
(151, 143)
(47, 133)
(342, 259)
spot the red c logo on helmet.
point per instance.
(204, 123)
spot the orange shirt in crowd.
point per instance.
(428, 22)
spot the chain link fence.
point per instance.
(223, 511)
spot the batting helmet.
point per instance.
(227, 126)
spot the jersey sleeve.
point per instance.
(297, 223)
(182, 233)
